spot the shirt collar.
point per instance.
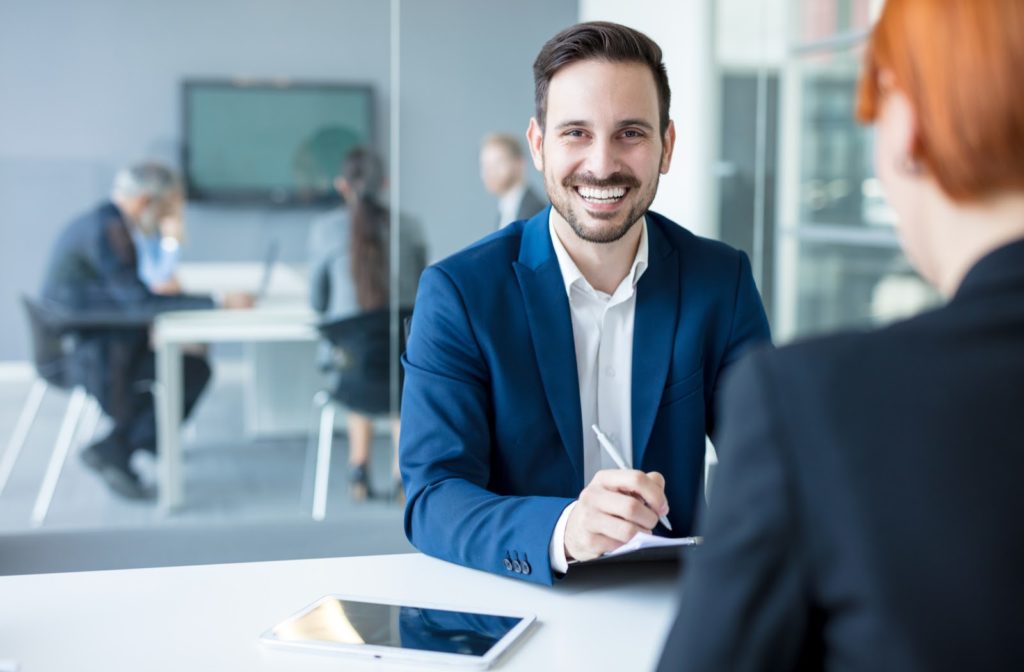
(571, 274)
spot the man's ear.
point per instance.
(668, 144)
(535, 140)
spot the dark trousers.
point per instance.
(128, 399)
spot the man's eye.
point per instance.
(574, 133)
(632, 133)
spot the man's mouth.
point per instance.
(602, 196)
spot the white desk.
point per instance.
(209, 617)
(172, 331)
(287, 282)
(283, 316)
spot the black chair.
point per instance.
(360, 380)
(52, 329)
(50, 346)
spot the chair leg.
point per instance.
(323, 461)
(90, 421)
(21, 430)
(312, 440)
(61, 449)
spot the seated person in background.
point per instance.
(94, 268)
(866, 514)
(503, 171)
(349, 252)
(595, 311)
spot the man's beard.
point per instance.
(561, 201)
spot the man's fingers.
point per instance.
(628, 508)
(631, 481)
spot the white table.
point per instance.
(283, 316)
(174, 330)
(209, 617)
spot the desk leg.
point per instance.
(169, 393)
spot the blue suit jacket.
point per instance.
(492, 443)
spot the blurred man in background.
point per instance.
(94, 270)
(503, 171)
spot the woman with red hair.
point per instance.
(866, 511)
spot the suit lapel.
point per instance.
(654, 328)
(547, 312)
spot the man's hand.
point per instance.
(616, 505)
(237, 300)
(167, 288)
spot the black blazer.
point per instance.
(530, 204)
(868, 512)
(93, 268)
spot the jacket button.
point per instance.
(508, 564)
(526, 567)
(517, 567)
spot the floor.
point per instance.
(229, 480)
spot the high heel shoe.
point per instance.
(359, 483)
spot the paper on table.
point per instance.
(643, 540)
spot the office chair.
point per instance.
(51, 328)
(361, 380)
(49, 358)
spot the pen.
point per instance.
(617, 459)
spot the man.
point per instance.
(866, 512)
(94, 270)
(503, 172)
(593, 312)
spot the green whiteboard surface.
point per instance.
(267, 143)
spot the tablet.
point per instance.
(399, 632)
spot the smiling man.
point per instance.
(595, 311)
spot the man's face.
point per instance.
(600, 150)
(156, 211)
(499, 170)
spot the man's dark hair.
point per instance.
(599, 40)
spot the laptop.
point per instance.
(269, 259)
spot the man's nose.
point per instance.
(602, 159)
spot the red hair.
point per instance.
(961, 65)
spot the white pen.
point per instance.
(620, 463)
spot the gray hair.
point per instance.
(151, 179)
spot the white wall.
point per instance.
(684, 31)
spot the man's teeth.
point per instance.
(592, 194)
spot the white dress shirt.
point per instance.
(508, 205)
(602, 330)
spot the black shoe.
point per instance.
(359, 483)
(119, 478)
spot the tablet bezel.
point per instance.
(400, 654)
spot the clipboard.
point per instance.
(644, 548)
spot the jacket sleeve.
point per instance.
(112, 257)
(743, 596)
(446, 444)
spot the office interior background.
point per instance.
(768, 159)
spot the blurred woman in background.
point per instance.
(350, 274)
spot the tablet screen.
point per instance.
(341, 621)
